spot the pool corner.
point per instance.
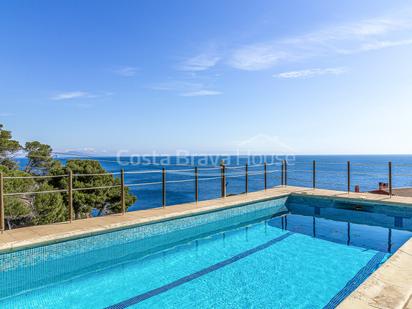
(390, 286)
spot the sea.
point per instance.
(144, 176)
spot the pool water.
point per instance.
(254, 259)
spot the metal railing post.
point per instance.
(348, 170)
(163, 187)
(223, 178)
(265, 174)
(314, 174)
(196, 184)
(70, 195)
(2, 225)
(122, 193)
(246, 178)
(390, 177)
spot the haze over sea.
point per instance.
(331, 173)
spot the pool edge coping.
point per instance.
(390, 286)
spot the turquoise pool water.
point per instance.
(255, 256)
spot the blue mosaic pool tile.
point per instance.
(139, 298)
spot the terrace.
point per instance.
(389, 287)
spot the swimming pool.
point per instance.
(290, 252)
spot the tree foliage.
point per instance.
(103, 201)
(52, 207)
(39, 156)
(49, 207)
(17, 209)
(8, 147)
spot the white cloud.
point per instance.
(200, 62)
(256, 57)
(200, 93)
(311, 73)
(356, 37)
(185, 89)
(176, 86)
(375, 26)
(384, 44)
(126, 71)
(6, 114)
(71, 95)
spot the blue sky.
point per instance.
(303, 77)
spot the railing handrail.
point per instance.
(34, 176)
